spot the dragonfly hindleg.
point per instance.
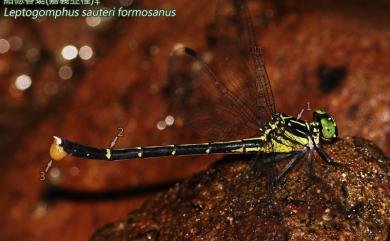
(288, 166)
(278, 157)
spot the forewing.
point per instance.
(203, 103)
(240, 58)
(229, 97)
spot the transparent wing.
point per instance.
(228, 97)
(203, 102)
(239, 57)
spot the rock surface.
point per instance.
(230, 201)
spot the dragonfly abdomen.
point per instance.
(276, 137)
(82, 151)
(237, 146)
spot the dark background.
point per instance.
(332, 54)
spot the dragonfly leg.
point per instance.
(278, 157)
(323, 155)
(310, 159)
(288, 167)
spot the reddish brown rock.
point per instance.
(230, 201)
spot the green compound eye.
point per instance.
(328, 128)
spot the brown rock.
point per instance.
(230, 201)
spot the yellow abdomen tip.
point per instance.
(56, 152)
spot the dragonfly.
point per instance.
(232, 103)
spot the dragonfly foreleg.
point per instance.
(323, 155)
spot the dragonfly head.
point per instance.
(327, 126)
